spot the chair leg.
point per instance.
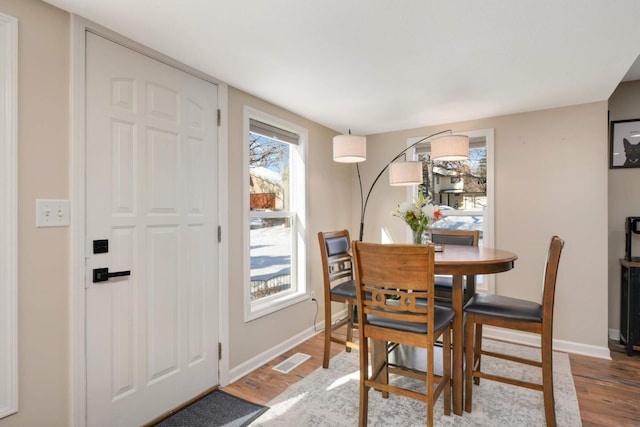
(547, 382)
(446, 366)
(477, 352)
(327, 334)
(469, 360)
(429, 382)
(364, 402)
(379, 363)
(364, 390)
(349, 328)
(471, 288)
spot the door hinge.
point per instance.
(219, 351)
(219, 117)
(219, 233)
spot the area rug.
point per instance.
(329, 397)
(216, 409)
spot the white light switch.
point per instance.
(52, 213)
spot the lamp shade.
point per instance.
(450, 147)
(349, 148)
(405, 173)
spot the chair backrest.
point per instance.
(391, 278)
(549, 283)
(337, 265)
(455, 237)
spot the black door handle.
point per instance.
(102, 274)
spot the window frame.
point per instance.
(487, 283)
(298, 211)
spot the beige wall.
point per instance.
(329, 199)
(624, 196)
(550, 178)
(43, 172)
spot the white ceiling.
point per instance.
(382, 65)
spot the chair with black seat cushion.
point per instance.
(339, 286)
(521, 315)
(443, 283)
(390, 279)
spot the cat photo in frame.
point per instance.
(624, 144)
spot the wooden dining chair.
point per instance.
(444, 283)
(521, 315)
(389, 281)
(339, 286)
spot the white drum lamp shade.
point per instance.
(353, 149)
(405, 173)
(349, 148)
(450, 148)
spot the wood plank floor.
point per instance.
(608, 390)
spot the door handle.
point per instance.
(102, 274)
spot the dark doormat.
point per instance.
(216, 409)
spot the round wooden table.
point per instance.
(460, 261)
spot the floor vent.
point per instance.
(291, 363)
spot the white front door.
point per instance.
(151, 171)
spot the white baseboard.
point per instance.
(254, 363)
(558, 345)
(259, 360)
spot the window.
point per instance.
(463, 189)
(459, 187)
(276, 201)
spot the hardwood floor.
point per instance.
(608, 390)
(264, 384)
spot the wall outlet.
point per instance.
(313, 296)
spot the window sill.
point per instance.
(259, 309)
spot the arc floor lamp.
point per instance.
(353, 149)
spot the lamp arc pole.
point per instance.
(364, 202)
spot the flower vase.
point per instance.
(421, 237)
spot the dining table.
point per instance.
(459, 261)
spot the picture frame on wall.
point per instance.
(624, 145)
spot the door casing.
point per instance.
(9, 215)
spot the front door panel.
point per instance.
(151, 168)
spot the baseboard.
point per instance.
(254, 363)
(490, 332)
(259, 360)
(558, 345)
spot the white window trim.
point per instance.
(488, 232)
(8, 215)
(256, 309)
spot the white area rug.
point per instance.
(329, 397)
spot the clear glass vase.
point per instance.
(421, 237)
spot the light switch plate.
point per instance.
(52, 213)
